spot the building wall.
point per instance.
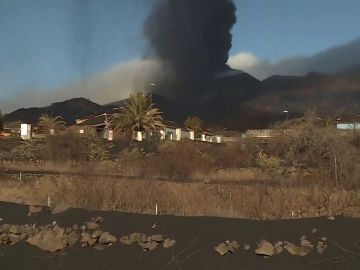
(348, 126)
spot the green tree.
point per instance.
(47, 123)
(137, 114)
(194, 123)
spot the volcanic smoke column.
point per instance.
(193, 36)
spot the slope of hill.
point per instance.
(70, 110)
(236, 101)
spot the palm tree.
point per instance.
(137, 114)
(47, 123)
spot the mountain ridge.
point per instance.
(238, 101)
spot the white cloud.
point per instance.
(328, 61)
(243, 61)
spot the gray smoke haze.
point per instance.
(111, 85)
(192, 36)
(329, 61)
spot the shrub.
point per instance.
(306, 143)
(235, 155)
(179, 160)
(65, 147)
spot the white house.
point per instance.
(348, 126)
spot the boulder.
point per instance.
(125, 240)
(168, 243)
(222, 249)
(14, 238)
(229, 247)
(96, 234)
(265, 249)
(15, 229)
(87, 240)
(234, 244)
(298, 250)
(49, 239)
(97, 219)
(106, 238)
(157, 238)
(148, 246)
(321, 246)
(72, 238)
(278, 247)
(91, 225)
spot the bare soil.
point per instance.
(196, 238)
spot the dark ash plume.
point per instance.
(193, 36)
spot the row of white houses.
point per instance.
(178, 134)
(99, 123)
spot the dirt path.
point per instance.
(196, 238)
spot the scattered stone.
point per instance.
(96, 234)
(98, 219)
(53, 223)
(132, 238)
(298, 251)
(234, 244)
(321, 246)
(278, 247)
(331, 218)
(34, 210)
(1, 219)
(14, 238)
(72, 238)
(154, 226)
(125, 240)
(247, 247)
(306, 243)
(314, 231)
(83, 227)
(229, 247)
(91, 225)
(168, 243)
(87, 240)
(157, 238)
(148, 246)
(75, 227)
(324, 239)
(222, 249)
(49, 239)
(136, 237)
(15, 229)
(106, 238)
(265, 249)
(58, 209)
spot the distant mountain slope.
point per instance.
(70, 110)
(236, 101)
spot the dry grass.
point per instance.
(309, 171)
(254, 201)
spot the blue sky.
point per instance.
(45, 44)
